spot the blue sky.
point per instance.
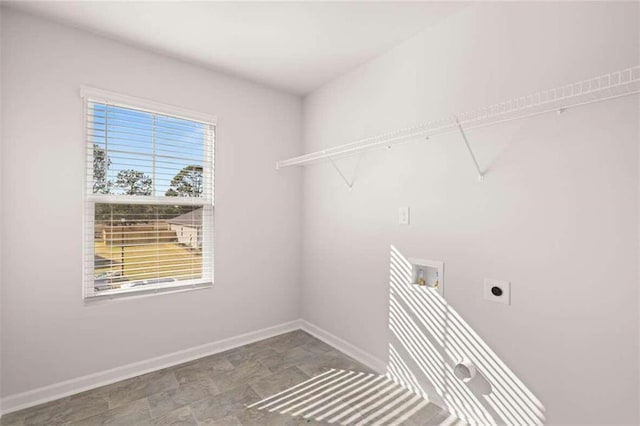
(131, 137)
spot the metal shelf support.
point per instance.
(473, 157)
(344, 178)
(346, 181)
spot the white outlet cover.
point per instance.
(505, 286)
(403, 215)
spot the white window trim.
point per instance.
(105, 96)
(91, 94)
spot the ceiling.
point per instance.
(296, 47)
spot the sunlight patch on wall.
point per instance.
(429, 338)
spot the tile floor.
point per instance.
(290, 379)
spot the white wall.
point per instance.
(48, 333)
(1, 206)
(557, 215)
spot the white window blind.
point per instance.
(149, 196)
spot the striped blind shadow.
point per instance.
(354, 398)
(429, 339)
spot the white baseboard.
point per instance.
(345, 347)
(80, 384)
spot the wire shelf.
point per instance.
(609, 86)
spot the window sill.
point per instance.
(135, 293)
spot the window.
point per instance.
(149, 196)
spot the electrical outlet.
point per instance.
(497, 291)
(403, 215)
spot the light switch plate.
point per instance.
(493, 287)
(403, 215)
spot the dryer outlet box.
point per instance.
(497, 291)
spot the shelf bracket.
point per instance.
(344, 178)
(473, 157)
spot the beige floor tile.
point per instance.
(133, 413)
(179, 417)
(274, 383)
(225, 404)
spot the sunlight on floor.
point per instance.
(354, 398)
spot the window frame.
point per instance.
(90, 199)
